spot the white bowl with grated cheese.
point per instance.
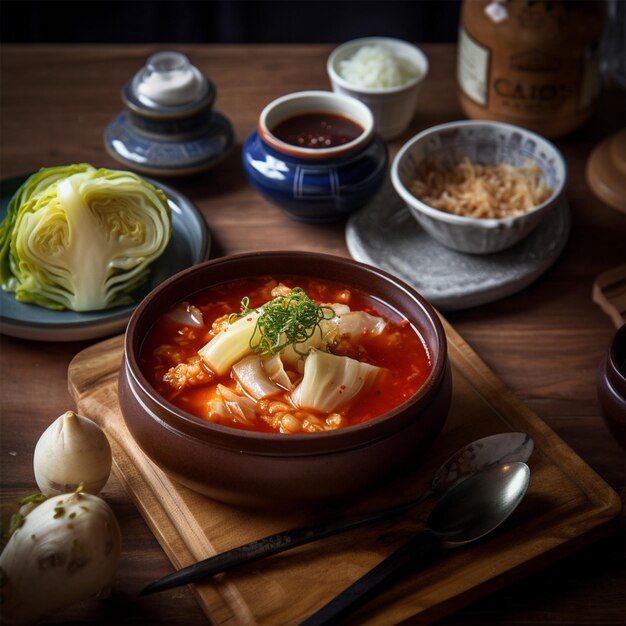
(384, 73)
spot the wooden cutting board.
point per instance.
(567, 507)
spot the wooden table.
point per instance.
(545, 342)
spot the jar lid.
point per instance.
(167, 85)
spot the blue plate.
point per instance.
(190, 244)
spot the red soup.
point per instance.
(285, 355)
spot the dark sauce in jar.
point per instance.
(317, 130)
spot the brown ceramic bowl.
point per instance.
(269, 469)
(611, 386)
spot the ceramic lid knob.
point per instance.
(168, 79)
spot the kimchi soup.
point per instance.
(284, 354)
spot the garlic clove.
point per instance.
(67, 550)
(71, 451)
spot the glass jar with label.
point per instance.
(534, 63)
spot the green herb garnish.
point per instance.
(286, 320)
(17, 519)
(35, 498)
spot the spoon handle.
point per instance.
(421, 547)
(273, 544)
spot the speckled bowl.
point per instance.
(269, 469)
(485, 143)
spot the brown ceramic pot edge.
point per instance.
(285, 263)
(261, 480)
(611, 386)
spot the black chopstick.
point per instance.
(272, 544)
(419, 548)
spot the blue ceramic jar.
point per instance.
(315, 184)
(169, 126)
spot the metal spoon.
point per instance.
(467, 512)
(478, 455)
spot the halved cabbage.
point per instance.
(82, 238)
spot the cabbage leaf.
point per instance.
(76, 237)
(231, 344)
(253, 379)
(274, 368)
(330, 381)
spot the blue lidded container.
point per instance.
(169, 126)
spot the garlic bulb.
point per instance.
(66, 550)
(71, 451)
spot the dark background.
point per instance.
(226, 21)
